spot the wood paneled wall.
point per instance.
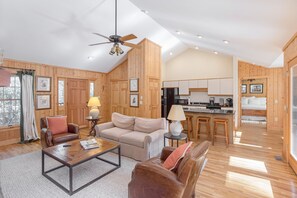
(12, 135)
(248, 82)
(275, 88)
(290, 57)
(143, 63)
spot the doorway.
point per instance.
(77, 99)
(293, 117)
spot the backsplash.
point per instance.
(203, 97)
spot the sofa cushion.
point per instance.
(57, 124)
(134, 138)
(114, 133)
(123, 121)
(64, 137)
(149, 125)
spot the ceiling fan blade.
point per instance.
(102, 36)
(131, 45)
(128, 37)
(99, 43)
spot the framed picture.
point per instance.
(134, 100)
(43, 101)
(43, 83)
(256, 88)
(134, 84)
(243, 88)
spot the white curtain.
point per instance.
(29, 122)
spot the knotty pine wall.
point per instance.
(274, 89)
(290, 57)
(12, 134)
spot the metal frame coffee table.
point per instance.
(62, 154)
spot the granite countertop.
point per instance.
(209, 111)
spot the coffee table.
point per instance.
(75, 155)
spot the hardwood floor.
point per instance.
(247, 168)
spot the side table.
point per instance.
(94, 122)
(182, 136)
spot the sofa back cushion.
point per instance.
(57, 124)
(123, 121)
(147, 125)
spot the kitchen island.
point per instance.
(211, 113)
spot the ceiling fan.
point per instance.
(117, 39)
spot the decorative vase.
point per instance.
(94, 113)
(176, 128)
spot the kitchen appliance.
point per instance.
(183, 101)
(211, 101)
(229, 102)
(212, 104)
(169, 97)
(222, 101)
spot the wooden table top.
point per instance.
(76, 154)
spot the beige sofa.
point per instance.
(140, 138)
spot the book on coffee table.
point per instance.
(89, 144)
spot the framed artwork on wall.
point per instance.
(243, 88)
(43, 84)
(134, 100)
(43, 101)
(256, 88)
(134, 84)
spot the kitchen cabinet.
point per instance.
(214, 87)
(220, 86)
(193, 83)
(170, 84)
(202, 84)
(183, 87)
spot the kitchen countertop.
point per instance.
(209, 111)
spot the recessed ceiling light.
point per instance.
(216, 53)
(170, 53)
(226, 42)
(196, 48)
(90, 58)
(178, 32)
(199, 36)
(145, 11)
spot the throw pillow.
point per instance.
(172, 160)
(123, 121)
(57, 124)
(148, 125)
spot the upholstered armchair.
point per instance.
(151, 179)
(55, 130)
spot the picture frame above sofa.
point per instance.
(134, 100)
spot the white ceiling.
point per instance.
(257, 30)
(58, 32)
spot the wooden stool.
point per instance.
(202, 120)
(224, 122)
(189, 126)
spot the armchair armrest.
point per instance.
(73, 128)
(46, 138)
(166, 152)
(103, 126)
(151, 180)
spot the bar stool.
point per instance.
(224, 122)
(189, 123)
(203, 120)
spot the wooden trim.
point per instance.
(293, 62)
(197, 79)
(293, 163)
(10, 141)
(198, 89)
(290, 41)
(220, 94)
(250, 112)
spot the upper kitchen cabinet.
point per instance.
(220, 86)
(193, 83)
(202, 84)
(170, 84)
(183, 88)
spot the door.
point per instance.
(293, 133)
(77, 99)
(154, 95)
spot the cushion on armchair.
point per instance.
(57, 124)
(149, 125)
(123, 121)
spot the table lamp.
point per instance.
(94, 103)
(176, 114)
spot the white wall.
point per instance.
(196, 64)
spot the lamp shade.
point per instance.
(4, 78)
(176, 113)
(94, 102)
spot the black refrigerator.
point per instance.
(169, 96)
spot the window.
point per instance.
(61, 98)
(10, 103)
(92, 89)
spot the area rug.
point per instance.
(21, 177)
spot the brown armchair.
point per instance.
(49, 139)
(151, 179)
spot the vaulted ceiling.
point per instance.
(58, 32)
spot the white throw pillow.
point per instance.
(149, 125)
(123, 121)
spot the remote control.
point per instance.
(66, 145)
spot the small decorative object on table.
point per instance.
(176, 115)
(94, 103)
(89, 144)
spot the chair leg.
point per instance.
(226, 134)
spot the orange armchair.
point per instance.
(151, 179)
